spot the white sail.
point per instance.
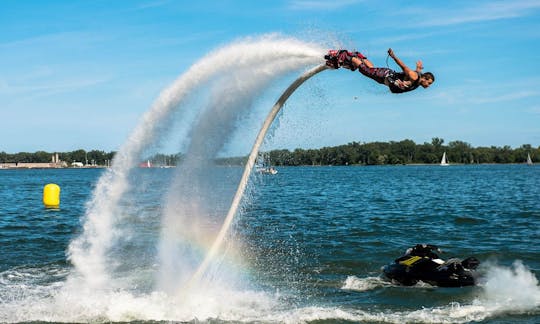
(529, 160)
(444, 160)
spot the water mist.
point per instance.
(234, 76)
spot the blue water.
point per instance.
(313, 240)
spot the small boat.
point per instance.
(421, 263)
(444, 160)
(268, 170)
(529, 160)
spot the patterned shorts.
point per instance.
(377, 74)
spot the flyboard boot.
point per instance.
(342, 58)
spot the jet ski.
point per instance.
(422, 263)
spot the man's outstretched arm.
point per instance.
(413, 75)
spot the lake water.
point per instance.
(307, 246)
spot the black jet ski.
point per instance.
(421, 263)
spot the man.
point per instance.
(397, 82)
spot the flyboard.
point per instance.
(247, 171)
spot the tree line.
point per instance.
(402, 152)
(355, 153)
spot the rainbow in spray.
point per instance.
(232, 78)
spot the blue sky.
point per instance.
(79, 74)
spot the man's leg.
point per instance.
(357, 61)
(366, 68)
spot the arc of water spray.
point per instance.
(247, 170)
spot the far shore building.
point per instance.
(54, 164)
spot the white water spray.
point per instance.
(244, 68)
(511, 289)
(248, 168)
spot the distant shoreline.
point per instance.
(280, 166)
(405, 152)
(52, 168)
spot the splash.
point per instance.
(248, 168)
(510, 289)
(364, 284)
(236, 75)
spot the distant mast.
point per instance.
(444, 160)
(529, 160)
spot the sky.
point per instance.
(80, 74)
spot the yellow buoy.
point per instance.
(51, 195)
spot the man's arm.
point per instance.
(413, 75)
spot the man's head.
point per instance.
(427, 79)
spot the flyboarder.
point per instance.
(397, 82)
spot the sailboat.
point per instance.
(444, 160)
(146, 164)
(529, 160)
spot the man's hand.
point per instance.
(391, 53)
(419, 66)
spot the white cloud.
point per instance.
(49, 88)
(480, 92)
(534, 110)
(321, 5)
(152, 4)
(64, 39)
(493, 10)
(512, 96)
